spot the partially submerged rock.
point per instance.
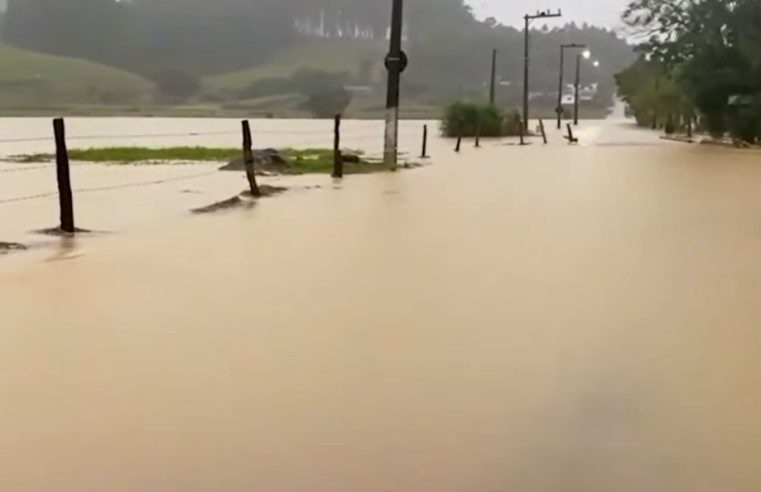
(263, 158)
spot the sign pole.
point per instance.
(396, 62)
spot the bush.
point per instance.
(463, 119)
(745, 122)
(266, 87)
(312, 83)
(175, 84)
(327, 103)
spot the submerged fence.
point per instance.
(367, 137)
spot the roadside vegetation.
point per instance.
(700, 67)
(464, 119)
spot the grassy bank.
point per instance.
(298, 161)
(34, 80)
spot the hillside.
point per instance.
(29, 80)
(330, 55)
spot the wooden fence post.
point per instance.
(522, 130)
(64, 178)
(424, 153)
(570, 137)
(544, 133)
(338, 162)
(459, 142)
(248, 159)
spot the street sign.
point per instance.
(403, 61)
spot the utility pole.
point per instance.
(585, 54)
(527, 19)
(493, 85)
(396, 62)
(559, 109)
(576, 91)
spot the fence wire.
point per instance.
(25, 168)
(349, 138)
(169, 135)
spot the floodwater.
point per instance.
(538, 319)
(128, 198)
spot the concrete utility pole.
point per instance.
(396, 62)
(559, 109)
(527, 19)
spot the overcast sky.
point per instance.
(599, 12)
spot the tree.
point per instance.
(713, 46)
(324, 91)
(449, 48)
(64, 28)
(175, 84)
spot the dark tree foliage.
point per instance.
(708, 51)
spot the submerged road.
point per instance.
(534, 319)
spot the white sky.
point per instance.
(599, 12)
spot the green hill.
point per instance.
(29, 80)
(330, 55)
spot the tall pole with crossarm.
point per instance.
(577, 84)
(563, 47)
(526, 63)
(493, 79)
(396, 62)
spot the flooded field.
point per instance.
(127, 198)
(543, 319)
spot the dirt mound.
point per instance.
(263, 158)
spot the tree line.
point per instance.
(699, 63)
(449, 48)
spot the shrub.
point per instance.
(266, 87)
(175, 84)
(327, 103)
(463, 119)
(745, 122)
(324, 91)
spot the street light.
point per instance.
(586, 54)
(546, 14)
(564, 47)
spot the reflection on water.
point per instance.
(540, 319)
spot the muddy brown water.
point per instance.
(537, 319)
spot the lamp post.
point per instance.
(564, 47)
(586, 54)
(527, 20)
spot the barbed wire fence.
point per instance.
(366, 139)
